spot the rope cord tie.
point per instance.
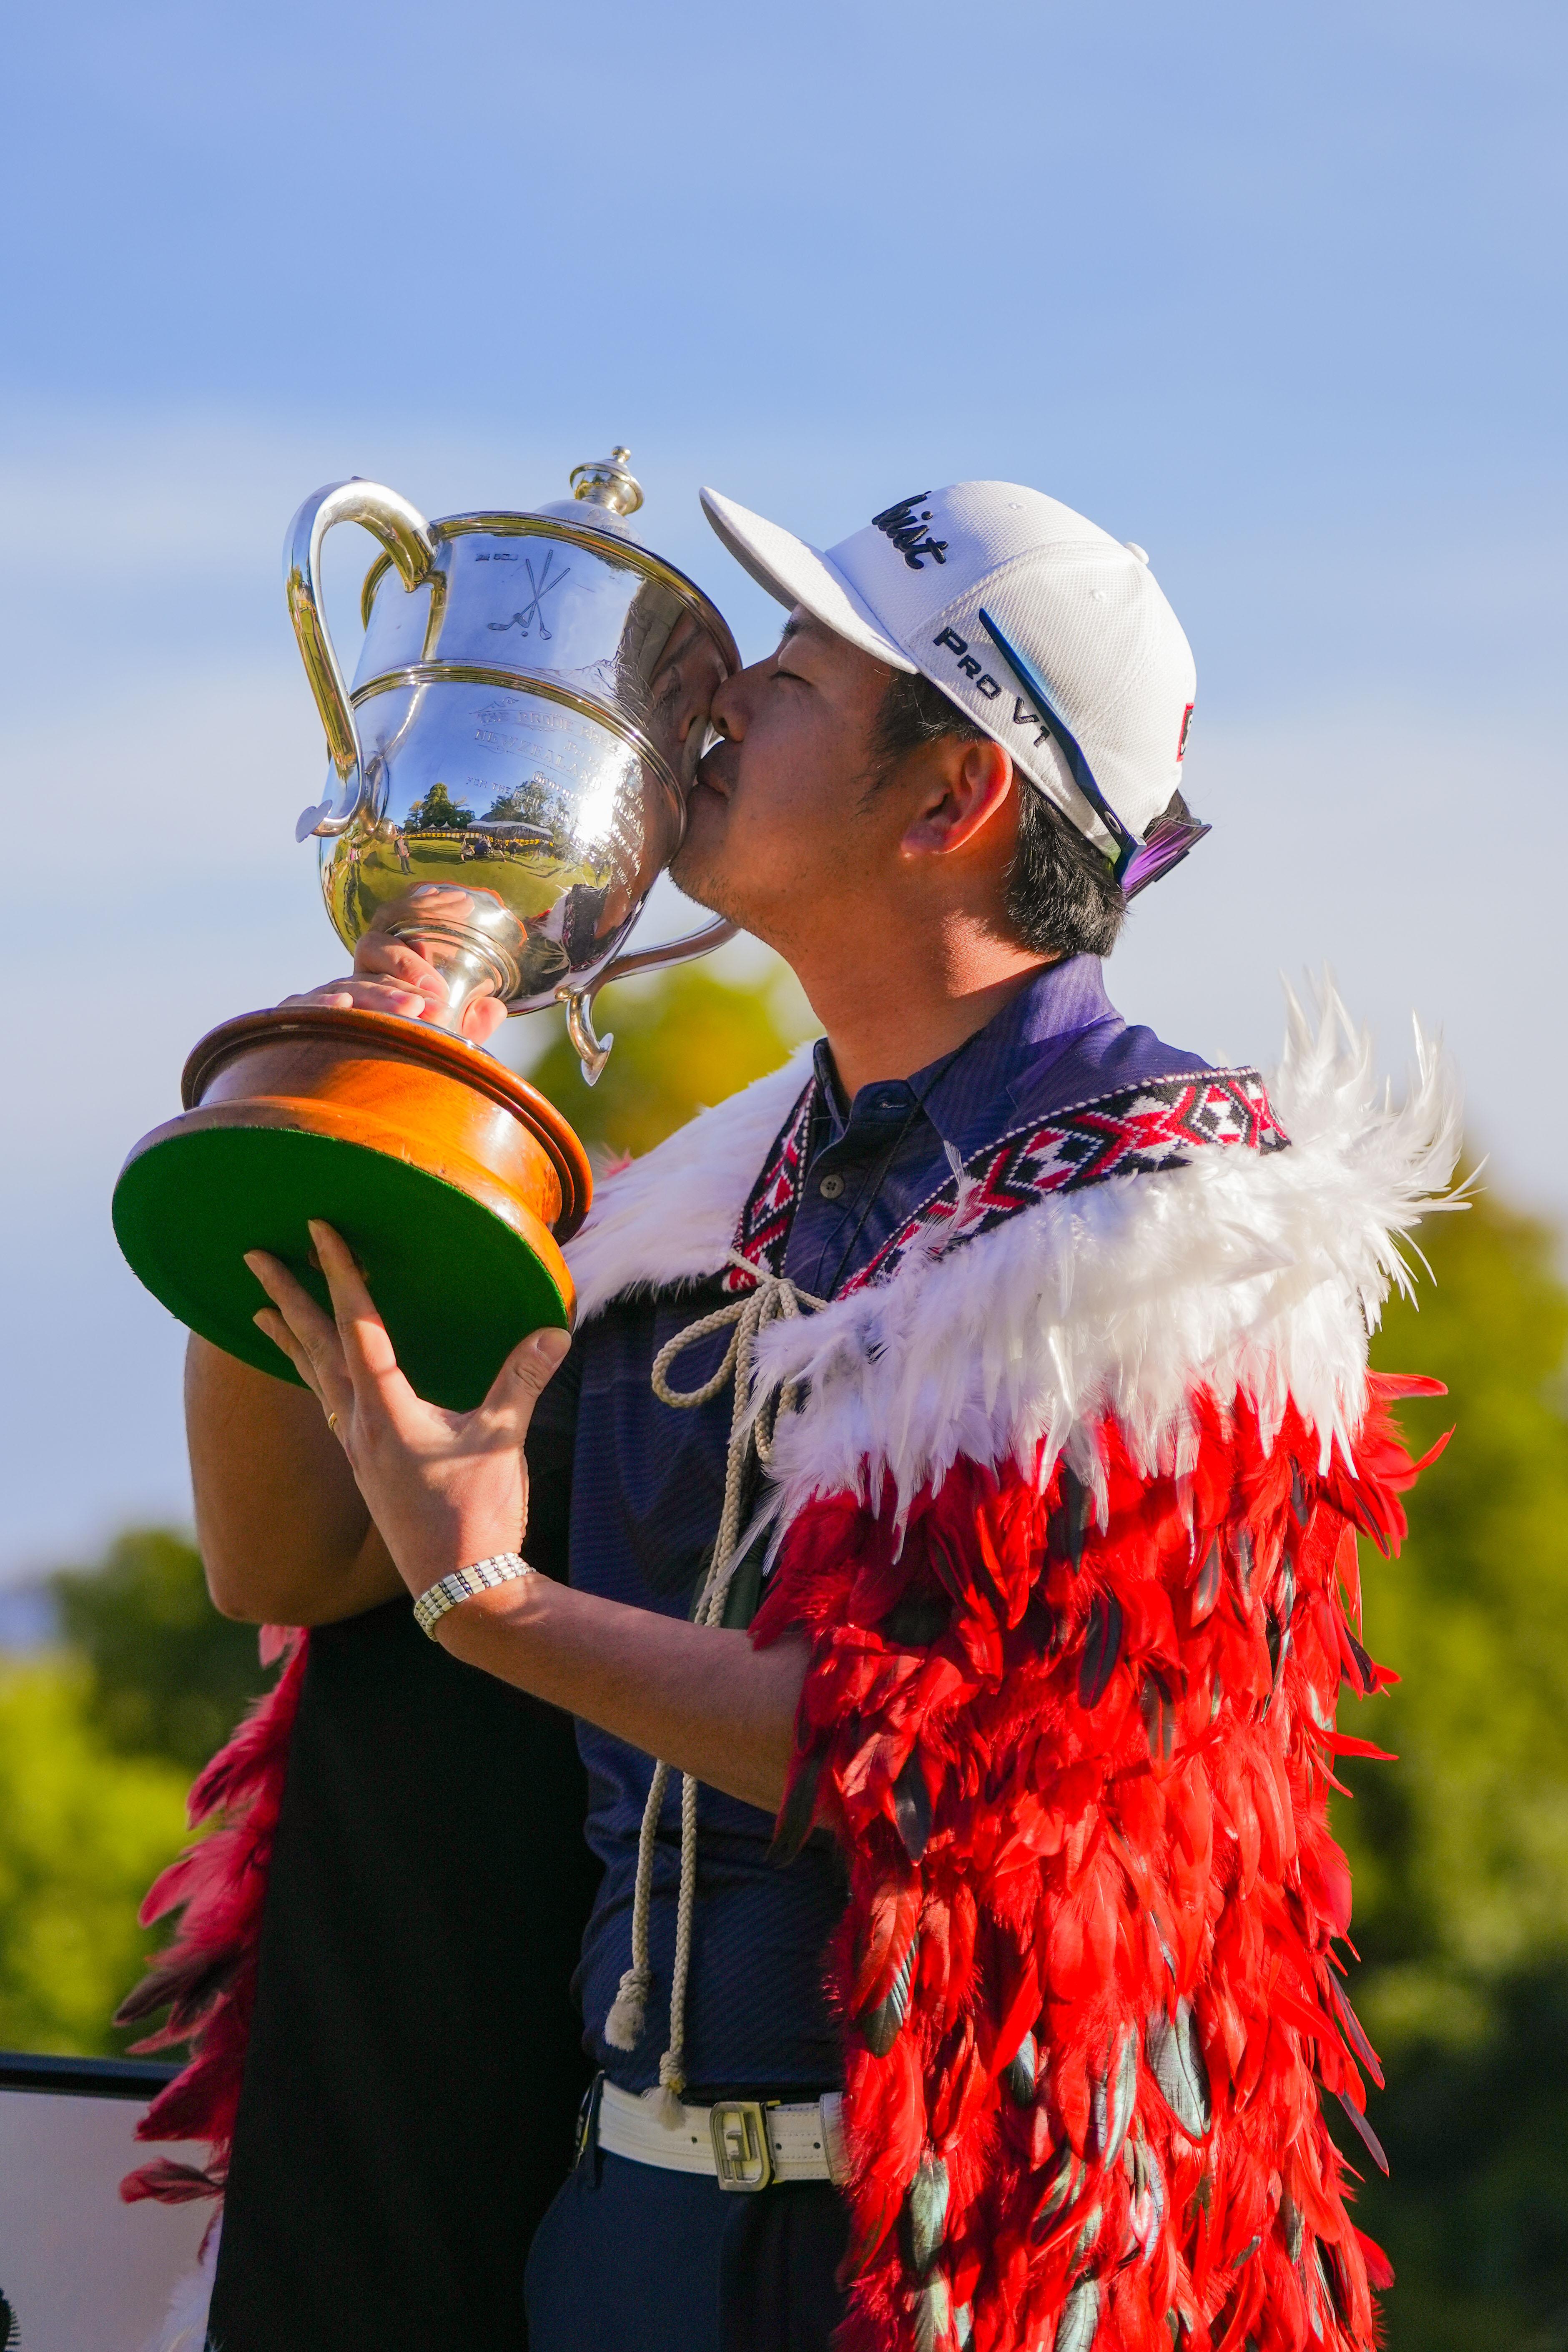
(751, 1439)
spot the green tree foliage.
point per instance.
(99, 1744)
(84, 1829)
(682, 1042)
(1460, 1850)
(525, 804)
(166, 1675)
(438, 812)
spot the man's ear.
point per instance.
(964, 786)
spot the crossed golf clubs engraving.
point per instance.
(535, 609)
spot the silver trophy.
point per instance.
(511, 768)
(509, 775)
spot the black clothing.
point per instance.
(414, 2071)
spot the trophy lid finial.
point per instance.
(608, 482)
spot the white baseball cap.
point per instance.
(1050, 634)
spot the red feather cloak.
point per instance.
(1087, 1973)
(1068, 1515)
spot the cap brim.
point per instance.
(797, 574)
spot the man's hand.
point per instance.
(449, 1488)
(444, 1488)
(390, 975)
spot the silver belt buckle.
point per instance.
(741, 2147)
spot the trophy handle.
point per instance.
(578, 998)
(408, 539)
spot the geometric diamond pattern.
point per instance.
(1140, 1131)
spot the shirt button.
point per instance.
(831, 1187)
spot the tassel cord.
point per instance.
(772, 1297)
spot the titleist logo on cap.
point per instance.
(908, 533)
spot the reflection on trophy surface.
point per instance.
(554, 826)
(509, 777)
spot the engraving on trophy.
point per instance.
(518, 714)
(535, 609)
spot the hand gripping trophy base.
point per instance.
(452, 1180)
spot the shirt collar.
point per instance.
(961, 1091)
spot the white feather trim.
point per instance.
(184, 2325)
(1254, 1275)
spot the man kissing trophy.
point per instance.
(944, 1530)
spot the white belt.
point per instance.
(742, 2143)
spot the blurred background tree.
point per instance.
(162, 1673)
(99, 1737)
(1460, 1850)
(84, 1829)
(683, 1040)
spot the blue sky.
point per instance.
(1275, 292)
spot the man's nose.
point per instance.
(732, 703)
(726, 715)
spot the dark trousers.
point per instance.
(630, 2258)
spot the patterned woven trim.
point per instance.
(1141, 1130)
(763, 1234)
(463, 1583)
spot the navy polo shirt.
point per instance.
(628, 1494)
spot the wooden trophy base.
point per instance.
(453, 1181)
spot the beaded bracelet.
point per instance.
(463, 1583)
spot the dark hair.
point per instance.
(1062, 896)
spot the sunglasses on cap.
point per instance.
(1135, 864)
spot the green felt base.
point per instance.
(456, 1287)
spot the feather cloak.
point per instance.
(1069, 1516)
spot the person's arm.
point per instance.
(448, 1490)
(283, 1530)
(696, 1695)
